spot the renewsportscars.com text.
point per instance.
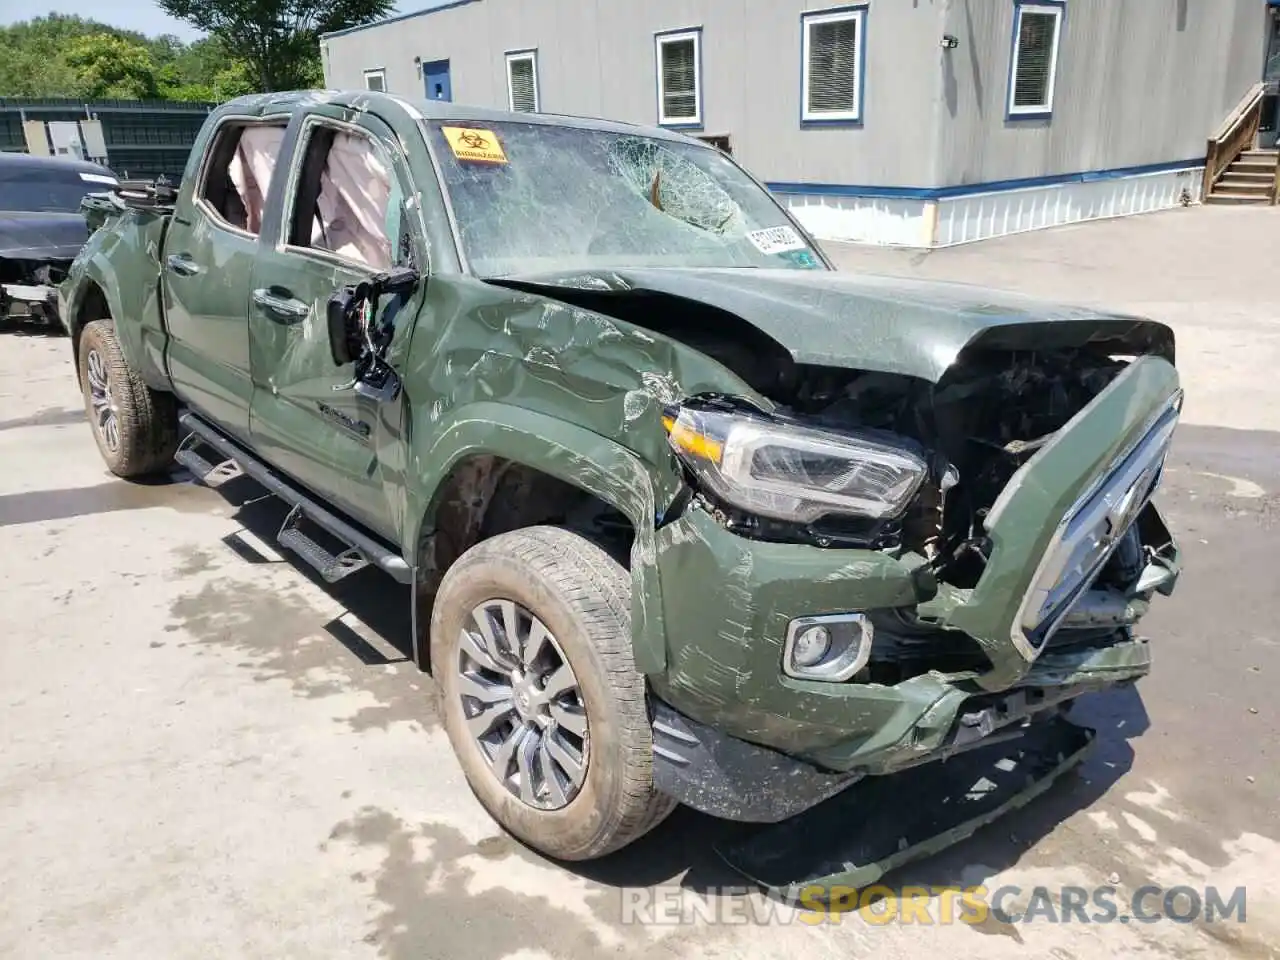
(939, 905)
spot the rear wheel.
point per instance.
(136, 428)
(531, 647)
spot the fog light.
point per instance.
(831, 648)
(811, 646)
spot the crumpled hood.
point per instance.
(42, 236)
(887, 324)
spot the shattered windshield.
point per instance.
(535, 197)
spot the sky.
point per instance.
(141, 15)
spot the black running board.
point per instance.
(362, 549)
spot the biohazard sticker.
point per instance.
(776, 240)
(482, 146)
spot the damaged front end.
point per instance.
(926, 523)
(883, 570)
(892, 553)
(905, 573)
(36, 252)
(29, 288)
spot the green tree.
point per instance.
(66, 56)
(278, 39)
(33, 59)
(205, 70)
(112, 66)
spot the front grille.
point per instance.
(1090, 533)
(906, 648)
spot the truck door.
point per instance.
(208, 259)
(340, 223)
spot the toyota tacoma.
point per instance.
(685, 514)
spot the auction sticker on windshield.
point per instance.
(482, 146)
(776, 240)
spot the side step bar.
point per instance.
(362, 549)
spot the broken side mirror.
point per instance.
(399, 280)
(359, 334)
(352, 314)
(343, 314)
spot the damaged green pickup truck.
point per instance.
(686, 515)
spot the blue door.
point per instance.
(435, 77)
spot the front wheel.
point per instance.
(136, 428)
(531, 647)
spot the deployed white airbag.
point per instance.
(251, 169)
(354, 193)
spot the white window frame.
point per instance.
(532, 57)
(1056, 10)
(381, 74)
(679, 36)
(809, 20)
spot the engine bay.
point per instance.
(978, 427)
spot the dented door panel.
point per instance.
(308, 416)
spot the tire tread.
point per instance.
(598, 588)
(148, 418)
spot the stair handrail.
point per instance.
(1236, 134)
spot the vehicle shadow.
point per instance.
(686, 842)
(372, 596)
(683, 848)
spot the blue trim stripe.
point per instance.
(447, 5)
(969, 189)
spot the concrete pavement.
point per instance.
(207, 753)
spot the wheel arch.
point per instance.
(557, 467)
(99, 292)
(88, 303)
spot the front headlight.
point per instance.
(790, 472)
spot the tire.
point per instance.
(145, 435)
(583, 597)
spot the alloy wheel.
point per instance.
(522, 704)
(105, 409)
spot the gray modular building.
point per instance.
(915, 122)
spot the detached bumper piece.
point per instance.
(881, 823)
(35, 302)
(729, 778)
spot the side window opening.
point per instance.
(347, 200)
(239, 173)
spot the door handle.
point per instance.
(279, 305)
(182, 265)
